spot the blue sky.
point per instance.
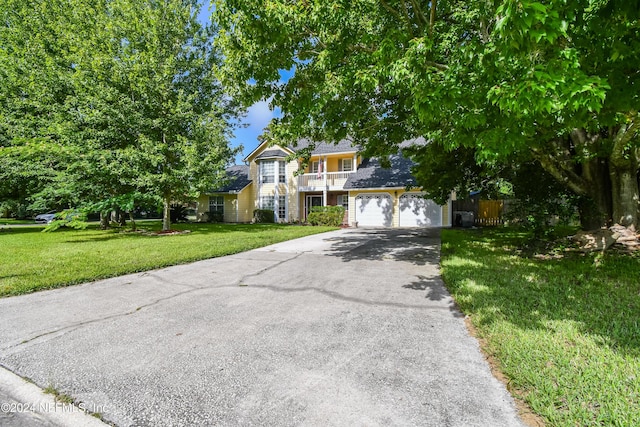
(258, 115)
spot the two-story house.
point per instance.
(335, 175)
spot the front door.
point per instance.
(313, 201)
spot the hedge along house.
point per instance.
(335, 175)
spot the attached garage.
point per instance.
(416, 211)
(374, 210)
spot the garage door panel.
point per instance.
(374, 210)
(416, 211)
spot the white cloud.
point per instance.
(259, 115)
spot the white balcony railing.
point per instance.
(314, 181)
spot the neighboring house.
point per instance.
(335, 175)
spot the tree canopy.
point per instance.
(112, 100)
(557, 82)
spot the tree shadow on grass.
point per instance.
(491, 279)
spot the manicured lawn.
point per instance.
(12, 221)
(31, 260)
(565, 331)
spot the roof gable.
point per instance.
(263, 147)
(272, 154)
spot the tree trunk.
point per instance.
(120, 218)
(133, 222)
(625, 196)
(595, 209)
(166, 212)
(104, 220)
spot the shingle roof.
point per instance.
(371, 174)
(272, 154)
(238, 179)
(343, 146)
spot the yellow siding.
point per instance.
(230, 201)
(253, 189)
(395, 196)
(332, 164)
(445, 215)
(292, 191)
(245, 204)
(202, 208)
(332, 161)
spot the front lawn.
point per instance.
(564, 328)
(31, 260)
(13, 221)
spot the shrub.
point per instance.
(213, 216)
(326, 215)
(178, 213)
(263, 216)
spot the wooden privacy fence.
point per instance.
(485, 212)
(490, 212)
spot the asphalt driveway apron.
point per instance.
(352, 327)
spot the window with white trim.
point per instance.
(315, 166)
(282, 172)
(282, 207)
(267, 169)
(345, 165)
(267, 202)
(216, 204)
(343, 200)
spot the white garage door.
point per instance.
(416, 211)
(374, 210)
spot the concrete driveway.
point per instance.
(352, 327)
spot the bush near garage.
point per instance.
(331, 216)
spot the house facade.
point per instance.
(336, 174)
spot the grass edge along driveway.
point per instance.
(564, 328)
(31, 260)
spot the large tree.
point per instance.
(557, 81)
(139, 110)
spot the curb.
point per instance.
(22, 403)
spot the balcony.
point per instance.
(315, 182)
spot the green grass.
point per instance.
(31, 260)
(13, 221)
(565, 331)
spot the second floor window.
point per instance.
(267, 170)
(282, 172)
(346, 165)
(315, 166)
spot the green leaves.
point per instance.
(120, 96)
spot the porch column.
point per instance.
(324, 186)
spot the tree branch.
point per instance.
(394, 12)
(622, 138)
(418, 12)
(432, 18)
(560, 172)
(441, 67)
